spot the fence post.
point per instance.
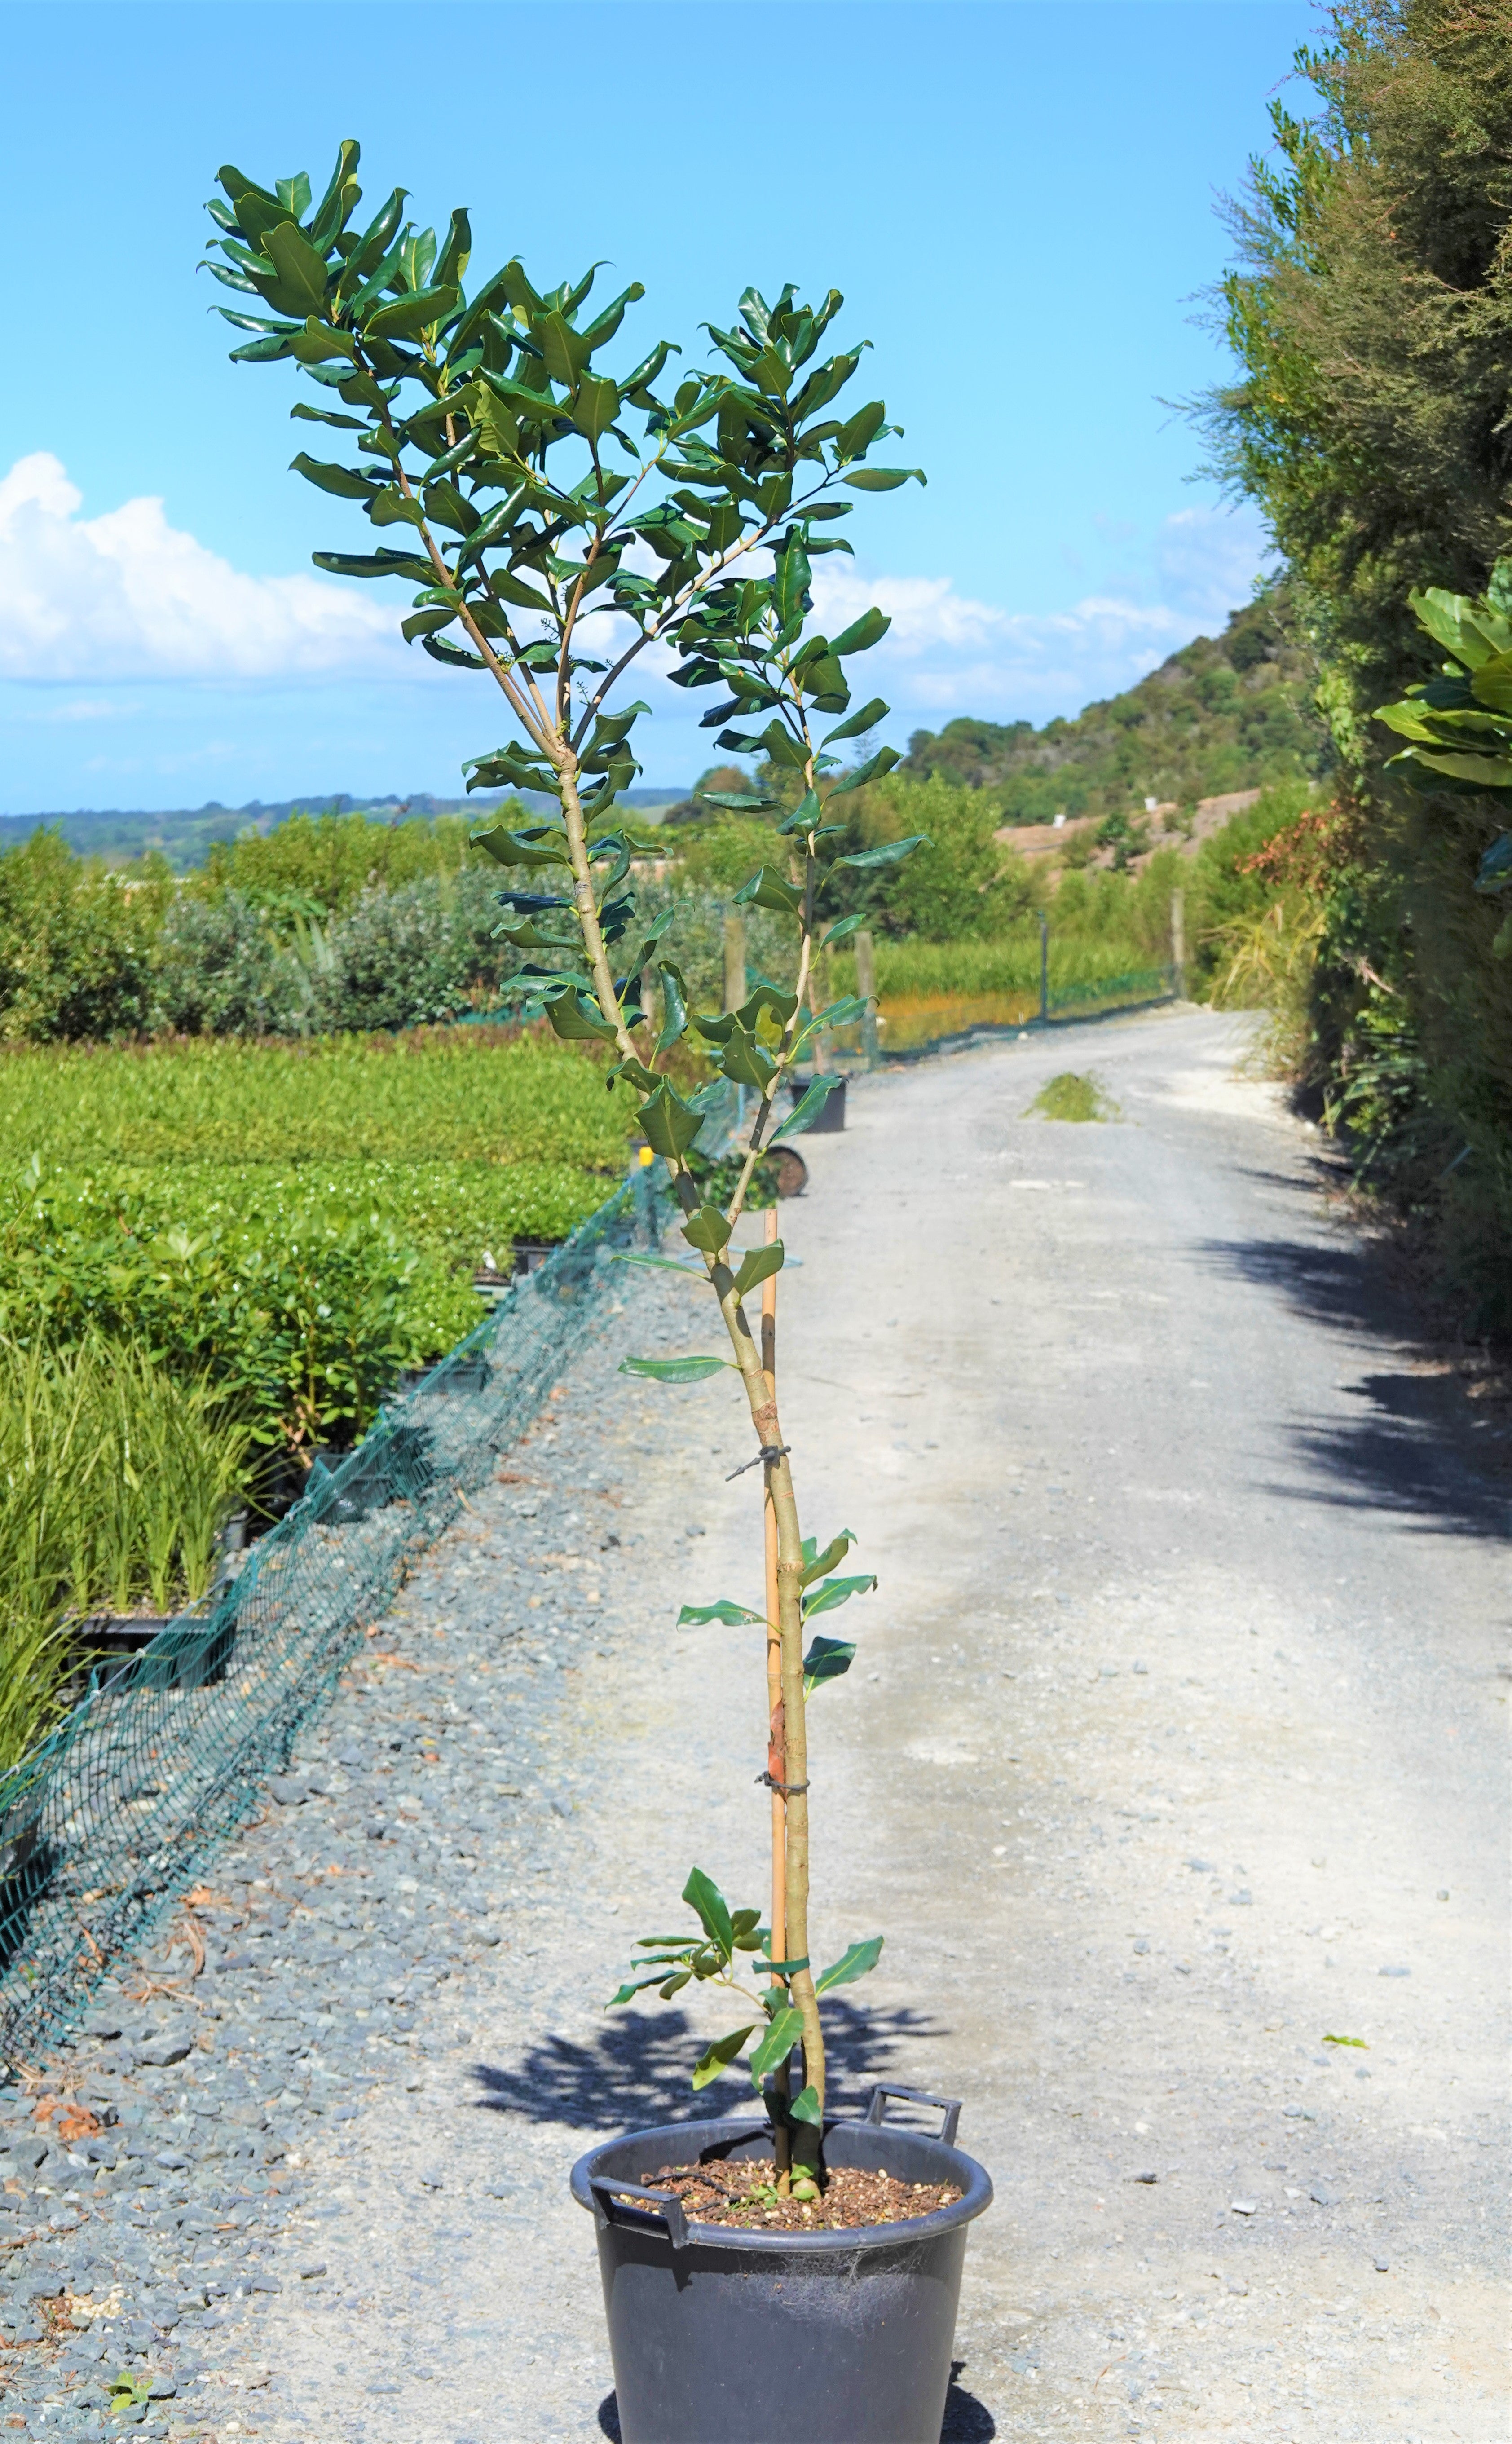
(866, 987)
(1178, 943)
(1044, 969)
(734, 959)
(650, 1000)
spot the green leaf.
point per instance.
(862, 635)
(791, 582)
(674, 1004)
(1348, 2041)
(425, 623)
(375, 563)
(409, 316)
(703, 1895)
(668, 1124)
(595, 406)
(744, 1061)
(1449, 619)
(579, 1020)
(638, 1987)
(828, 1658)
(806, 1111)
(389, 508)
(836, 1013)
(872, 770)
(856, 1962)
(867, 718)
(769, 889)
(776, 2045)
(707, 1229)
(317, 344)
(834, 1553)
(804, 2107)
(728, 1614)
(345, 482)
(719, 2056)
(891, 852)
(842, 931)
(298, 268)
(674, 1370)
(834, 1593)
(1487, 772)
(758, 1264)
(806, 815)
(882, 479)
(537, 847)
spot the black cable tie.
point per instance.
(767, 1457)
(784, 1790)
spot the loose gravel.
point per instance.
(199, 2149)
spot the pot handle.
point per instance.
(950, 2106)
(607, 2191)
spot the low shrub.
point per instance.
(117, 1482)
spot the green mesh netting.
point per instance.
(115, 1814)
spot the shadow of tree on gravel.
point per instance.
(967, 2420)
(634, 2073)
(1413, 1450)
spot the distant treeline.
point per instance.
(185, 835)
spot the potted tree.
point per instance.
(799, 2269)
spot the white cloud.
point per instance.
(949, 654)
(126, 596)
(89, 603)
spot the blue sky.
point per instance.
(1017, 200)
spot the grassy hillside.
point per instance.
(1230, 712)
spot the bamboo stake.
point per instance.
(776, 1744)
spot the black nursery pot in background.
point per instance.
(721, 2336)
(832, 1116)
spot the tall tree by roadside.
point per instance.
(1369, 310)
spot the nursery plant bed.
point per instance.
(731, 2335)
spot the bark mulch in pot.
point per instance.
(741, 2192)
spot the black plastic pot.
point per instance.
(730, 2337)
(832, 1114)
(530, 1255)
(139, 1651)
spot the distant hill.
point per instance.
(1225, 714)
(185, 835)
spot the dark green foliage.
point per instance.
(1233, 712)
(78, 943)
(1370, 312)
(530, 510)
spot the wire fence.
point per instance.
(116, 1813)
(910, 1030)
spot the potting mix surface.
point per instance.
(742, 2191)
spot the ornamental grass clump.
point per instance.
(551, 547)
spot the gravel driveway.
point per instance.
(1173, 1750)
